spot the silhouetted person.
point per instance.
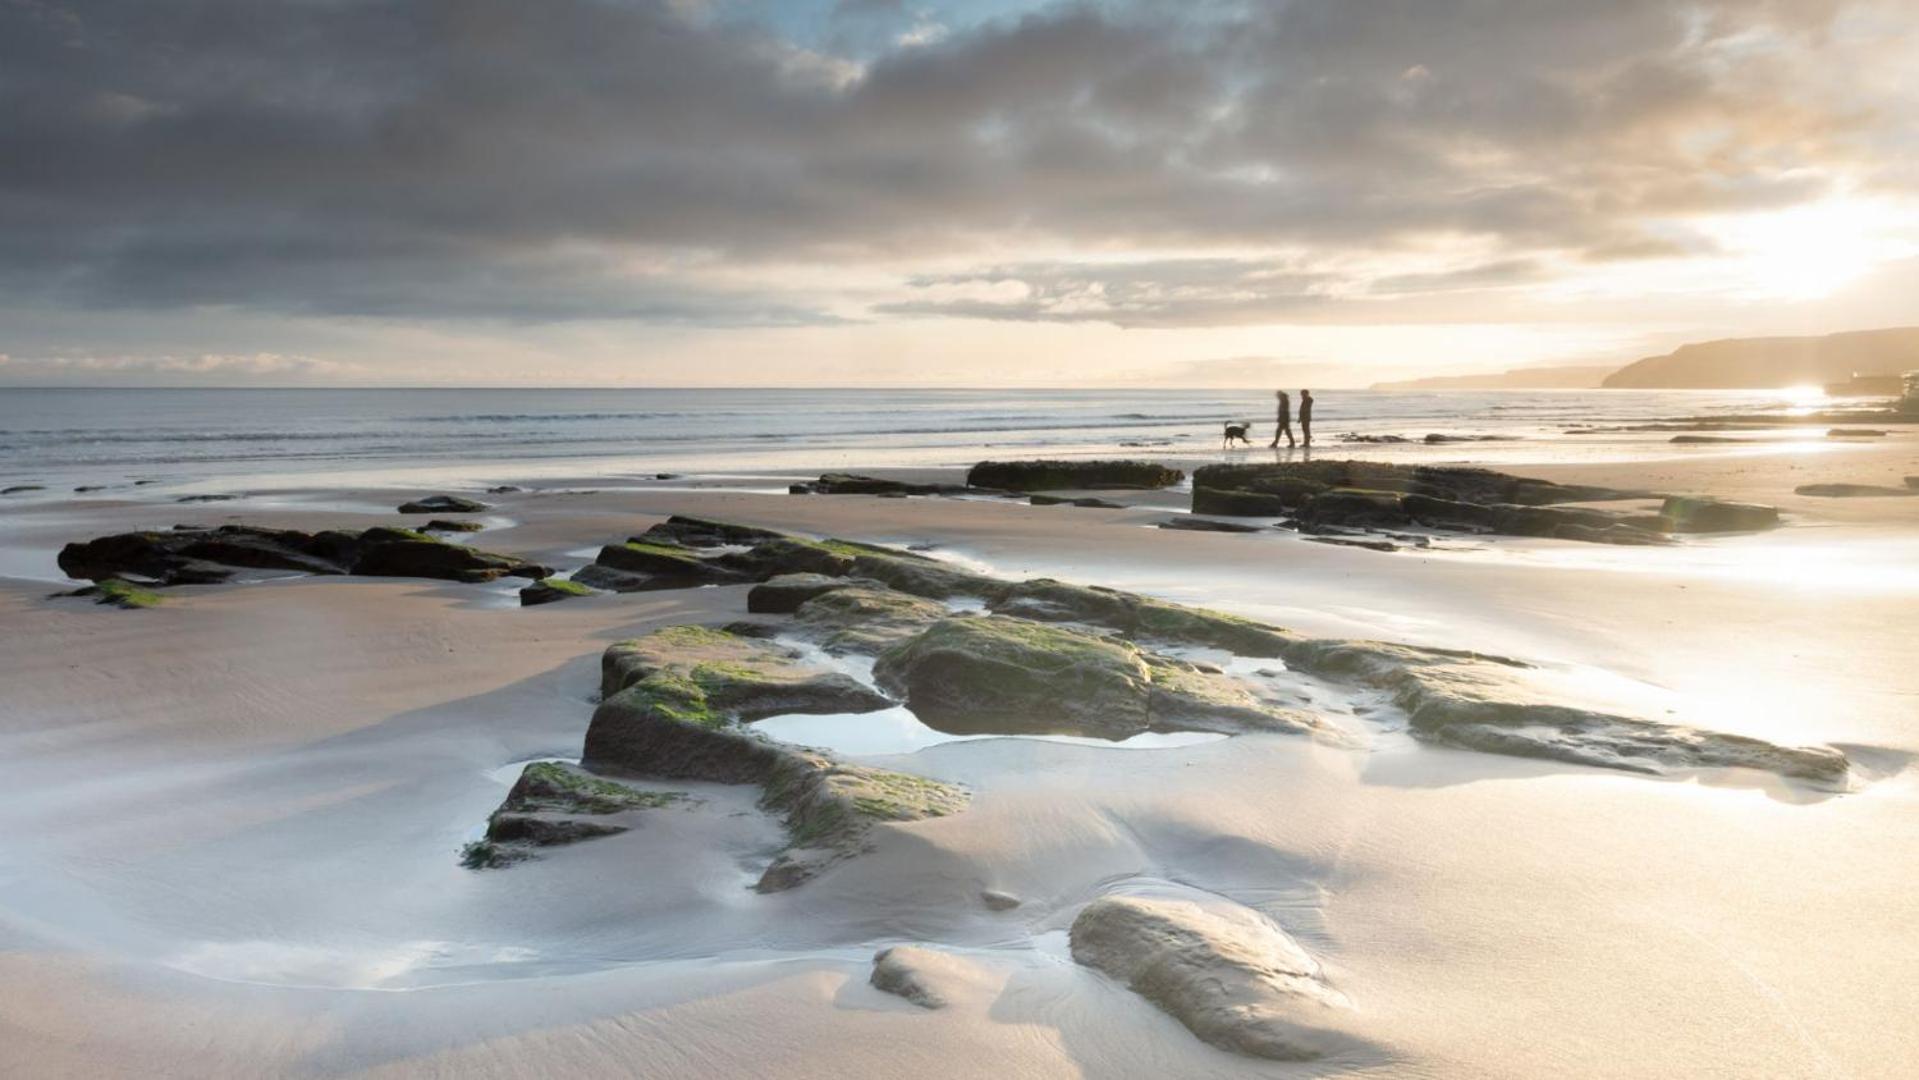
(1283, 419)
(1306, 416)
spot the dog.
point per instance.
(1237, 431)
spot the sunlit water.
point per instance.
(68, 438)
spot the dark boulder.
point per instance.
(1239, 503)
(1086, 475)
(199, 556)
(399, 553)
(443, 504)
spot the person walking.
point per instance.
(1306, 416)
(1283, 420)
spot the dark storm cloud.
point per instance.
(626, 159)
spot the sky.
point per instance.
(891, 192)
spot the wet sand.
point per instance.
(234, 820)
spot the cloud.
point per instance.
(671, 163)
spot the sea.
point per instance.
(58, 439)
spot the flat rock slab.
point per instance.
(1234, 978)
(1200, 524)
(1072, 475)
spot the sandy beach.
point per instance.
(235, 818)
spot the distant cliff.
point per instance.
(1539, 378)
(1765, 363)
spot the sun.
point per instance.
(1812, 251)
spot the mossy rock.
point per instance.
(1007, 676)
(555, 787)
(677, 706)
(121, 594)
(865, 618)
(550, 590)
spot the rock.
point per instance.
(1849, 491)
(674, 705)
(1854, 433)
(1684, 513)
(640, 564)
(114, 592)
(550, 590)
(1083, 475)
(1437, 439)
(701, 532)
(444, 504)
(995, 900)
(444, 525)
(853, 484)
(998, 675)
(908, 971)
(1487, 703)
(922, 576)
(1200, 524)
(504, 489)
(1140, 617)
(538, 831)
(1298, 479)
(18, 489)
(1355, 507)
(1346, 541)
(205, 498)
(666, 476)
(1061, 500)
(553, 803)
(711, 674)
(1002, 675)
(399, 553)
(202, 556)
(1208, 500)
(1231, 976)
(783, 594)
(865, 617)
